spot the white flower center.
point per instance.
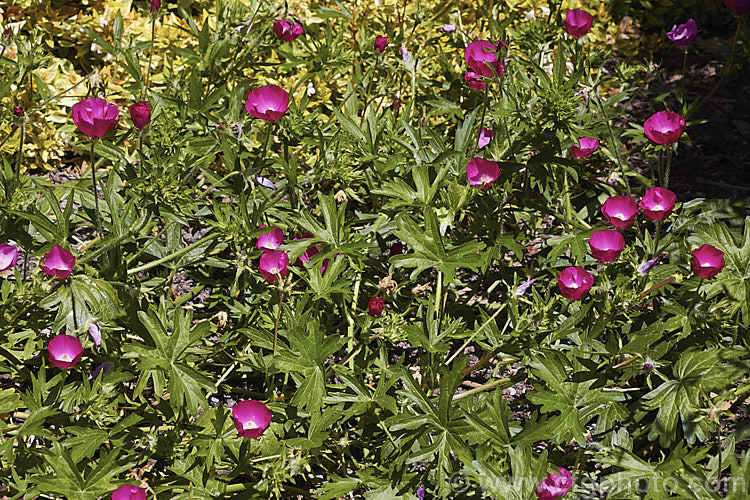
(250, 425)
(65, 357)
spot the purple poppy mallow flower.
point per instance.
(58, 263)
(265, 182)
(482, 58)
(270, 238)
(555, 485)
(574, 282)
(584, 148)
(485, 137)
(620, 210)
(268, 103)
(708, 261)
(523, 287)
(665, 127)
(287, 29)
(8, 258)
(657, 203)
(482, 173)
(381, 43)
(606, 245)
(738, 7)
(140, 113)
(251, 418)
(94, 117)
(578, 22)
(474, 81)
(129, 492)
(274, 263)
(64, 351)
(644, 268)
(683, 35)
(18, 111)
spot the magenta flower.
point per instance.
(155, 5)
(555, 485)
(481, 172)
(310, 252)
(606, 245)
(578, 22)
(8, 257)
(664, 127)
(708, 261)
(270, 239)
(251, 418)
(738, 7)
(381, 43)
(274, 263)
(683, 35)
(375, 306)
(620, 210)
(64, 351)
(585, 147)
(483, 58)
(657, 203)
(18, 111)
(94, 117)
(574, 282)
(58, 263)
(474, 81)
(485, 137)
(128, 492)
(140, 113)
(287, 29)
(268, 103)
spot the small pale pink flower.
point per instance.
(578, 22)
(664, 127)
(405, 54)
(270, 238)
(58, 263)
(657, 203)
(251, 418)
(483, 58)
(448, 28)
(683, 35)
(482, 173)
(8, 257)
(708, 261)
(274, 263)
(64, 351)
(606, 245)
(287, 29)
(574, 282)
(128, 492)
(585, 147)
(555, 485)
(268, 103)
(381, 43)
(485, 137)
(620, 210)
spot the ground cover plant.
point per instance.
(365, 250)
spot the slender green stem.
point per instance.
(171, 256)
(668, 167)
(439, 293)
(150, 54)
(19, 155)
(682, 83)
(660, 168)
(278, 317)
(508, 381)
(568, 206)
(613, 143)
(473, 335)
(94, 188)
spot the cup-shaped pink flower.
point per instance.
(128, 492)
(683, 35)
(381, 43)
(708, 261)
(657, 203)
(481, 172)
(270, 238)
(738, 7)
(8, 257)
(268, 103)
(620, 210)
(485, 137)
(474, 81)
(251, 418)
(140, 113)
(578, 22)
(664, 127)
(585, 147)
(483, 58)
(606, 245)
(574, 282)
(287, 29)
(274, 263)
(64, 351)
(94, 117)
(58, 263)
(555, 485)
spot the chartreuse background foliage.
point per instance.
(465, 385)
